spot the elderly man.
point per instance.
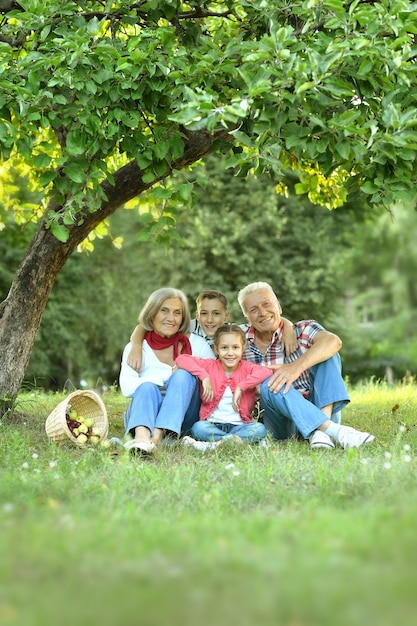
(306, 392)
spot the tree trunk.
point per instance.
(21, 312)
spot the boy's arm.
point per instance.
(134, 358)
(289, 338)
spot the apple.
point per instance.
(96, 431)
(82, 438)
(105, 443)
(73, 415)
(89, 422)
(76, 432)
(82, 428)
(94, 439)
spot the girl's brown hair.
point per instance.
(229, 328)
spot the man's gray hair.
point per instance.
(250, 289)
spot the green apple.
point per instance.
(82, 428)
(105, 443)
(96, 431)
(89, 422)
(73, 415)
(94, 439)
(82, 438)
(76, 432)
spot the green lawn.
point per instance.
(283, 536)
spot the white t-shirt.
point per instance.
(224, 412)
(153, 370)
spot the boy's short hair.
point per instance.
(212, 294)
(229, 328)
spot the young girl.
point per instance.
(227, 389)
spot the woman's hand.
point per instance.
(208, 393)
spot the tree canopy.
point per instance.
(101, 101)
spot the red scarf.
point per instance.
(157, 342)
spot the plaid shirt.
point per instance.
(197, 330)
(305, 331)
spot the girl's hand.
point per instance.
(208, 393)
(236, 399)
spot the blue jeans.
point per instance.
(151, 408)
(290, 414)
(213, 431)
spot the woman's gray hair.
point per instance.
(250, 289)
(154, 303)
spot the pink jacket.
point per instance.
(246, 376)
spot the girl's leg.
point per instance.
(249, 432)
(207, 431)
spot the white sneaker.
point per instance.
(319, 439)
(349, 437)
(198, 445)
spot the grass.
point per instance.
(283, 535)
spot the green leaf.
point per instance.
(60, 232)
(41, 160)
(75, 172)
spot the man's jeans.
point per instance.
(153, 408)
(290, 414)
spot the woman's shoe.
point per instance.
(140, 448)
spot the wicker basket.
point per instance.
(87, 403)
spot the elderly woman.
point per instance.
(161, 394)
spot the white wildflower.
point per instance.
(364, 461)
(236, 473)
(387, 455)
(402, 429)
(387, 465)
(406, 458)
(34, 455)
(25, 465)
(52, 463)
(229, 466)
(406, 447)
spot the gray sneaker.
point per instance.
(349, 437)
(319, 439)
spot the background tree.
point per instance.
(381, 297)
(101, 102)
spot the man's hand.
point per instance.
(208, 393)
(134, 358)
(284, 375)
